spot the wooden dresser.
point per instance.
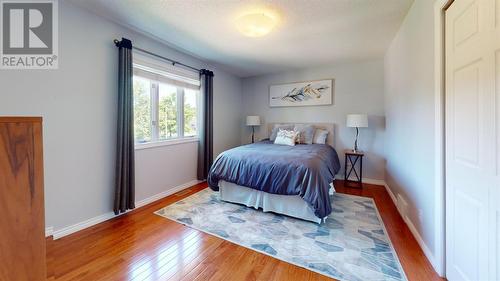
(22, 218)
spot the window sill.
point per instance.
(170, 142)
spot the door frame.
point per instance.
(440, 7)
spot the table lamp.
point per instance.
(253, 121)
(357, 121)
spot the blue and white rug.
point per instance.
(351, 245)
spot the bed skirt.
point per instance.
(290, 205)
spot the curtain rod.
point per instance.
(173, 62)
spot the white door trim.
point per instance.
(439, 133)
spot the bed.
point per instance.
(290, 180)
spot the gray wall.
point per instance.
(227, 111)
(410, 120)
(359, 88)
(78, 104)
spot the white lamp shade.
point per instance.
(357, 120)
(253, 120)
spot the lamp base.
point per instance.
(356, 141)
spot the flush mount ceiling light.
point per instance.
(256, 24)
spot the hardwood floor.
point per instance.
(143, 246)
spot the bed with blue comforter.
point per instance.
(304, 170)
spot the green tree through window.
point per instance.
(190, 113)
(142, 110)
(167, 118)
(158, 115)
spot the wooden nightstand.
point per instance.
(353, 158)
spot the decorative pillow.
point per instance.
(286, 137)
(276, 129)
(320, 136)
(297, 137)
(306, 133)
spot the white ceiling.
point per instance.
(311, 32)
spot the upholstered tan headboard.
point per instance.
(330, 127)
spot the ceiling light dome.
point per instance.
(255, 24)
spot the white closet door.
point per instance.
(472, 123)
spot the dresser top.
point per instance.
(20, 119)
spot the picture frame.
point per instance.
(307, 93)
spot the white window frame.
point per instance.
(154, 98)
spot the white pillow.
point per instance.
(276, 129)
(320, 136)
(286, 137)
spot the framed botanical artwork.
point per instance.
(309, 93)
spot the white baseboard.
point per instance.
(364, 180)
(49, 231)
(82, 225)
(104, 217)
(165, 193)
(393, 197)
(373, 181)
(427, 252)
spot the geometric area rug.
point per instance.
(352, 245)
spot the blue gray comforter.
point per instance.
(304, 170)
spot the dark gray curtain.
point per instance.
(205, 145)
(125, 168)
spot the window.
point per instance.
(165, 105)
(142, 110)
(167, 116)
(190, 112)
